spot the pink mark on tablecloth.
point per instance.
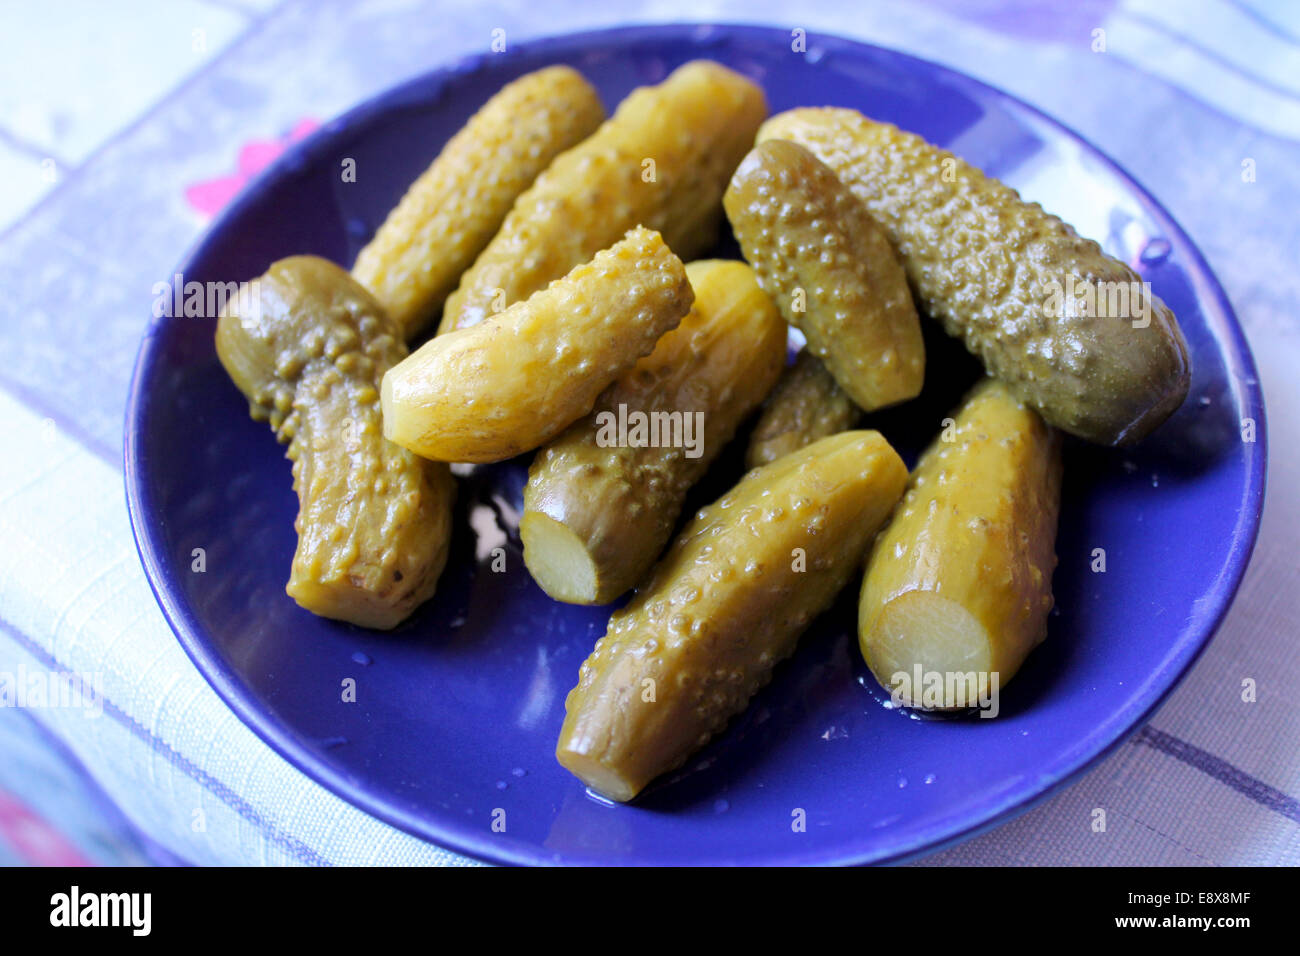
(210, 196)
(33, 839)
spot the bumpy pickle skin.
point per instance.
(513, 383)
(831, 271)
(457, 205)
(725, 604)
(805, 405)
(986, 264)
(596, 514)
(374, 521)
(960, 581)
(661, 161)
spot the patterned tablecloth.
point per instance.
(125, 126)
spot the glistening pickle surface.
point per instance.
(985, 263)
(456, 206)
(661, 161)
(960, 580)
(724, 605)
(615, 505)
(805, 405)
(831, 271)
(374, 521)
(514, 382)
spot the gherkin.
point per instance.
(661, 161)
(960, 580)
(1071, 330)
(805, 405)
(514, 382)
(597, 513)
(830, 269)
(374, 521)
(724, 605)
(451, 212)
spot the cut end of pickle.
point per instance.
(398, 413)
(604, 781)
(346, 602)
(929, 652)
(558, 560)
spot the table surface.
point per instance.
(125, 127)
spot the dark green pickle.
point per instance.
(374, 520)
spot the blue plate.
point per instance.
(457, 712)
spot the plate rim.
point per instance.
(464, 840)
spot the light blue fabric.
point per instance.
(95, 211)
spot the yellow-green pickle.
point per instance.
(374, 521)
(831, 271)
(457, 205)
(806, 405)
(958, 587)
(602, 499)
(1072, 331)
(513, 383)
(661, 161)
(725, 604)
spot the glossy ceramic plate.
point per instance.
(457, 712)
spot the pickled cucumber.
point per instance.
(831, 271)
(959, 584)
(1071, 330)
(726, 603)
(806, 405)
(513, 383)
(600, 506)
(374, 521)
(452, 211)
(661, 161)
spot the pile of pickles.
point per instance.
(554, 251)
